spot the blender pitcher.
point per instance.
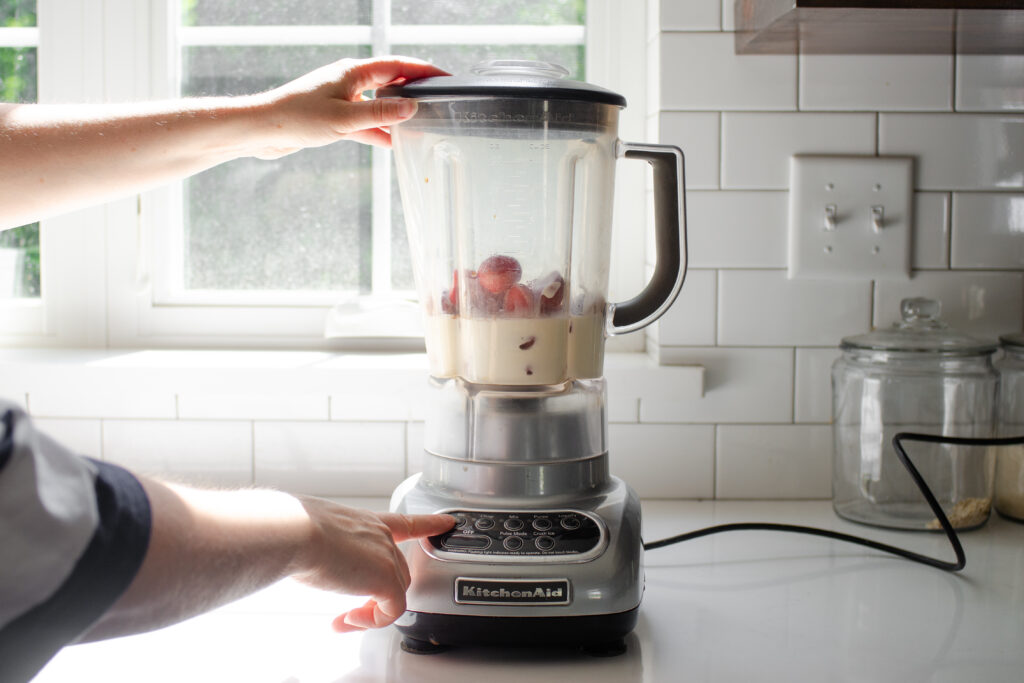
(507, 179)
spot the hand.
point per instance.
(328, 104)
(353, 551)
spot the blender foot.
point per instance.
(416, 646)
(612, 648)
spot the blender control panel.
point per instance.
(520, 536)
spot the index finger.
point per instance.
(404, 527)
(374, 73)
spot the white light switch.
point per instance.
(850, 217)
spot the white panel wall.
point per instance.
(739, 119)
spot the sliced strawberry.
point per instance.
(498, 273)
(551, 292)
(450, 297)
(518, 301)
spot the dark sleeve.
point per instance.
(102, 571)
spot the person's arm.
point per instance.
(56, 158)
(208, 548)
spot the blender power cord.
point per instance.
(897, 442)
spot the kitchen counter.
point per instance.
(756, 605)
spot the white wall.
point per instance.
(768, 342)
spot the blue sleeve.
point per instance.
(106, 561)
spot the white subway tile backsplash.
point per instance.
(378, 408)
(664, 461)
(930, 239)
(757, 147)
(814, 384)
(691, 320)
(83, 437)
(413, 448)
(765, 308)
(980, 303)
(337, 458)
(990, 83)
(194, 451)
(988, 230)
(252, 406)
(958, 151)
(737, 229)
(703, 71)
(876, 82)
(691, 15)
(773, 461)
(134, 403)
(740, 385)
(698, 134)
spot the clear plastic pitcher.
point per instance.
(507, 178)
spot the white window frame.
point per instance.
(104, 269)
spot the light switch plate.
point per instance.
(850, 217)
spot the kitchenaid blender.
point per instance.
(507, 180)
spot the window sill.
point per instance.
(274, 385)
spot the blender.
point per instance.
(506, 177)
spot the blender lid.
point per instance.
(517, 78)
(920, 331)
(1014, 341)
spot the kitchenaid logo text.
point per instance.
(488, 592)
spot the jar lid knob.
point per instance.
(920, 312)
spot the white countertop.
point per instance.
(739, 606)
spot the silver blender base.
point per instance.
(544, 569)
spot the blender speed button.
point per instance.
(570, 523)
(484, 523)
(545, 543)
(542, 524)
(513, 543)
(514, 524)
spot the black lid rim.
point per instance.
(548, 89)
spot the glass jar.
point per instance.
(1010, 460)
(916, 376)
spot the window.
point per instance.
(256, 253)
(19, 37)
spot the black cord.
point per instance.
(901, 454)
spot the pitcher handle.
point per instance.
(670, 239)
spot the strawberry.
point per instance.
(551, 292)
(450, 297)
(518, 301)
(498, 273)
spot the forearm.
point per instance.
(62, 157)
(207, 548)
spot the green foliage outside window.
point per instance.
(18, 84)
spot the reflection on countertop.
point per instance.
(736, 606)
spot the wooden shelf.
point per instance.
(879, 26)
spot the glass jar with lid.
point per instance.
(917, 376)
(1010, 460)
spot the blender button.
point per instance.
(542, 524)
(545, 543)
(514, 524)
(467, 542)
(484, 523)
(570, 523)
(513, 543)
(460, 520)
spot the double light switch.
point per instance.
(850, 217)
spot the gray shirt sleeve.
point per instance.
(73, 534)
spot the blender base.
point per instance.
(598, 635)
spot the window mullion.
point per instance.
(380, 210)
